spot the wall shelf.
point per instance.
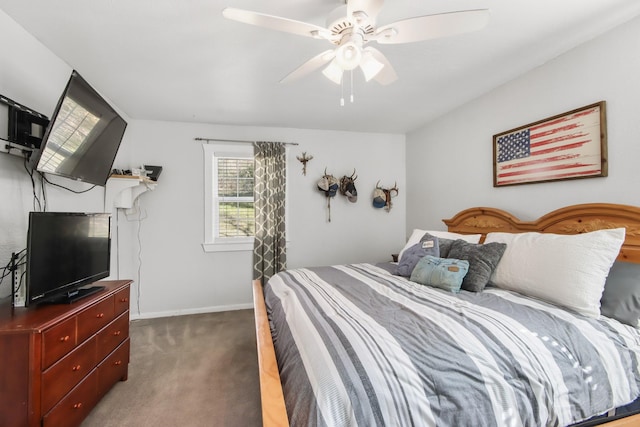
(122, 190)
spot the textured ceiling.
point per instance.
(182, 61)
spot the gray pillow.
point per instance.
(444, 246)
(621, 296)
(428, 245)
(483, 259)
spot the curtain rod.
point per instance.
(235, 140)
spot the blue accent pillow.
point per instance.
(443, 273)
(428, 245)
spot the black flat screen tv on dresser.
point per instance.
(65, 252)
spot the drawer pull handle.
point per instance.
(118, 363)
(124, 299)
(116, 333)
(64, 338)
(76, 368)
(77, 405)
(100, 316)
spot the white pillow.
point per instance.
(568, 270)
(417, 235)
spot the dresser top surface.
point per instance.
(39, 317)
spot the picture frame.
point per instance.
(571, 145)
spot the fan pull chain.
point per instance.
(351, 86)
(342, 92)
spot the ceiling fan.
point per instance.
(351, 26)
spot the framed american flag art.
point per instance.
(567, 146)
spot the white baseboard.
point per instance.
(202, 310)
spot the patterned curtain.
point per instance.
(269, 250)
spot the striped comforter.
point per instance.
(358, 346)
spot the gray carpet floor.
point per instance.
(195, 370)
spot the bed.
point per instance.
(496, 357)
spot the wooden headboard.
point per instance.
(574, 219)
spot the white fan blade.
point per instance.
(432, 26)
(370, 7)
(309, 66)
(387, 75)
(276, 23)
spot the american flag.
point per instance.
(560, 148)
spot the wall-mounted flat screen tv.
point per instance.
(65, 252)
(83, 136)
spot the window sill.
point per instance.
(228, 247)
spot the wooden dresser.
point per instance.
(57, 361)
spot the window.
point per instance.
(234, 201)
(229, 203)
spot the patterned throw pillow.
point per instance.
(441, 273)
(428, 245)
(483, 259)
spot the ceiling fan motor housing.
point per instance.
(339, 24)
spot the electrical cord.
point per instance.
(139, 220)
(36, 200)
(139, 258)
(16, 261)
(21, 280)
(44, 178)
(44, 192)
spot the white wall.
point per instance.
(30, 75)
(172, 273)
(177, 276)
(449, 161)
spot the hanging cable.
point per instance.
(17, 259)
(37, 206)
(139, 220)
(351, 86)
(44, 193)
(65, 188)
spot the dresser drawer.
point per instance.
(122, 300)
(114, 368)
(95, 318)
(67, 372)
(112, 335)
(76, 405)
(58, 341)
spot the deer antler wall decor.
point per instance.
(329, 185)
(382, 196)
(348, 187)
(304, 159)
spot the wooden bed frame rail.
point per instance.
(481, 220)
(274, 413)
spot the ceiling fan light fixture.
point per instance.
(348, 56)
(370, 66)
(333, 72)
